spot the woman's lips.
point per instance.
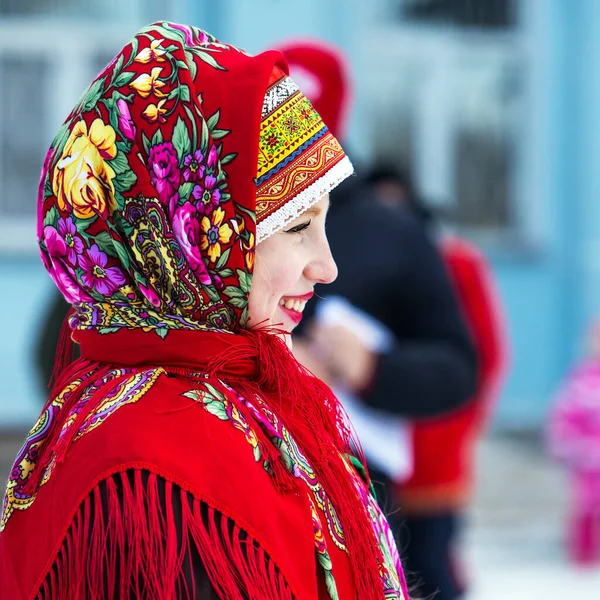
(293, 306)
(294, 315)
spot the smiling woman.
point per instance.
(186, 453)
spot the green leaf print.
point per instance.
(212, 294)
(47, 187)
(60, 141)
(238, 302)
(181, 140)
(220, 133)
(194, 395)
(192, 64)
(330, 585)
(106, 243)
(134, 51)
(284, 452)
(216, 408)
(214, 392)
(190, 115)
(123, 255)
(209, 60)
(213, 120)
(228, 158)
(205, 136)
(92, 95)
(106, 330)
(119, 163)
(146, 143)
(184, 93)
(51, 217)
(117, 69)
(245, 280)
(185, 190)
(246, 211)
(124, 78)
(162, 332)
(125, 181)
(233, 292)
(157, 138)
(226, 273)
(123, 147)
(223, 260)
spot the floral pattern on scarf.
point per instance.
(138, 227)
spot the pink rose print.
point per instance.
(186, 226)
(164, 171)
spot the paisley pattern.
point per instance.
(322, 553)
(119, 388)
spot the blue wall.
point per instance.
(549, 294)
(25, 289)
(552, 295)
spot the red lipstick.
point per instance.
(294, 315)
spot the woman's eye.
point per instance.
(298, 228)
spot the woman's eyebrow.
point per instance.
(313, 211)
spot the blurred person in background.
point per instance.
(434, 496)
(390, 269)
(574, 440)
(186, 453)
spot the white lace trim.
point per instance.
(277, 95)
(304, 200)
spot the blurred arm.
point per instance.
(431, 367)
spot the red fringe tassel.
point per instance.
(314, 416)
(130, 539)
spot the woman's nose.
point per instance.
(323, 268)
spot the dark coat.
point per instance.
(391, 269)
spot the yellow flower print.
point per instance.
(238, 227)
(154, 53)
(214, 233)
(145, 84)
(83, 179)
(155, 112)
(249, 252)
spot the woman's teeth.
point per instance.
(293, 304)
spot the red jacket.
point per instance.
(444, 447)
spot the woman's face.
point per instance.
(288, 265)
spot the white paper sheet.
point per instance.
(386, 439)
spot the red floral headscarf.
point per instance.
(179, 158)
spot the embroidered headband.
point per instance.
(299, 160)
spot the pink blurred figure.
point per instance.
(574, 439)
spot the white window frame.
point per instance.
(71, 46)
(440, 50)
